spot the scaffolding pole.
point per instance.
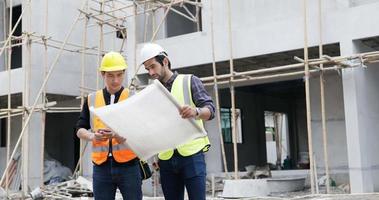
(215, 89)
(307, 99)
(232, 93)
(83, 144)
(160, 24)
(273, 76)
(28, 118)
(11, 33)
(101, 43)
(44, 100)
(9, 128)
(151, 40)
(322, 98)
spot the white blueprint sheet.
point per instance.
(149, 121)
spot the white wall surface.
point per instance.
(361, 110)
(267, 26)
(213, 157)
(17, 78)
(335, 123)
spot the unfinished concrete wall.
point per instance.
(361, 111)
(17, 77)
(262, 27)
(65, 78)
(213, 157)
(335, 124)
(370, 120)
(361, 2)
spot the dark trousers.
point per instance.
(111, 175)
(179, 172)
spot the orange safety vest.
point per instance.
(100, 148)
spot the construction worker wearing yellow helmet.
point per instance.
(114, 164)
(184, 166)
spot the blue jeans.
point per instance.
(111, 175)
(179, 172)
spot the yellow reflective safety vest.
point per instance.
(100, 149)
(181, 90)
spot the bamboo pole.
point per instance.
(51, 68)
(272, 76)
(26, 95)
(11, 33)
(146, 18)
(215, 88)
(232, 93)
(160, 24)
(191, 15)
(12, 115)
(101, 20)
(9, 128)
(100, 44)
(152, 38)
(325, 60)
(322, 98)
(113, 15)
(68, 50)
(83, 144)
(61, 42)
(111, 11)
(197, 16)
(307, 96)
(43, 114)
(180, 13)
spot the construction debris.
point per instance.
(54, 171)
(257, 172)
(14, 174)
(65, 190)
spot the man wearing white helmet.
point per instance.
(183, 166)
(114, 164)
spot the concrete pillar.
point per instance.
(335, 125)
(362, 113)
(34, 150)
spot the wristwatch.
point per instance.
(197, 112)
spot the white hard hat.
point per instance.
(150, 50)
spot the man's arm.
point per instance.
(204, 105)
(85, 134)
(83, 128)
(187, 111)
(83, 124)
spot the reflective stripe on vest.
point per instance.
(181, 90)
(100, 149)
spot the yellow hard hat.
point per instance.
(112, 61)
